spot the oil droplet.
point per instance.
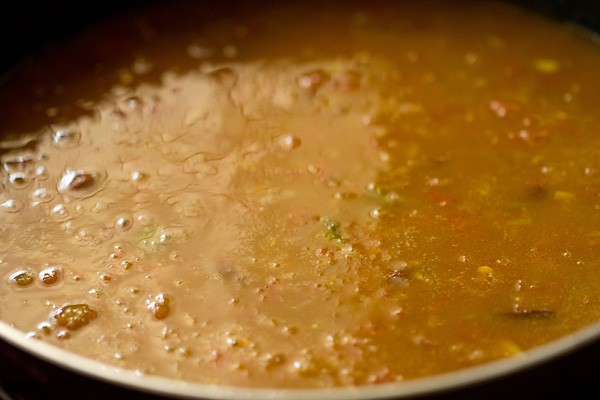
(22, 278)
(50, 276)
(65, 138)
(81, 183)
(123, 224)
(11, 206)
(74, 316)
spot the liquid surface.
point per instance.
(394, 192)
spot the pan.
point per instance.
(34, 370)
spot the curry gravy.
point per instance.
(284, 198)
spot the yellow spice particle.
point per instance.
(546, 65)
(484, 269)
(509, 348)
(562, 195)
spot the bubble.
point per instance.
(123, 224)
(41, 173)
(230, 51)
(200, 50)
(384, 156)
(172, 234)
(11, 206)
(65, 138)
(138, 176)
(60, 212)
(50, 276)
(348, 80)
(67, 226)
(392, 197)
(141, 66)
(471, 58)
(19, 180)
(63, 334)
(160, 307)
(225, 76)
(78, 208)
(313, 80)
(118, 118)
(375, 213)
(44, 327)
(125, 77)
(145, 219)
(289, 142)
(133, 103)
(19, 164)
(41, 195)
(52, 111)
(81, 183)
(22, 278)
(99, 207)
(347, 249)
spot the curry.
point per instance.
(374, 193)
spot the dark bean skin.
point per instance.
(530, 314)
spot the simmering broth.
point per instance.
(374, 193)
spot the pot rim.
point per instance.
(173, 388)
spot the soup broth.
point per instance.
(294, 196)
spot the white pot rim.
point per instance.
(176, 389)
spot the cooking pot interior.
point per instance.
(29, 28)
